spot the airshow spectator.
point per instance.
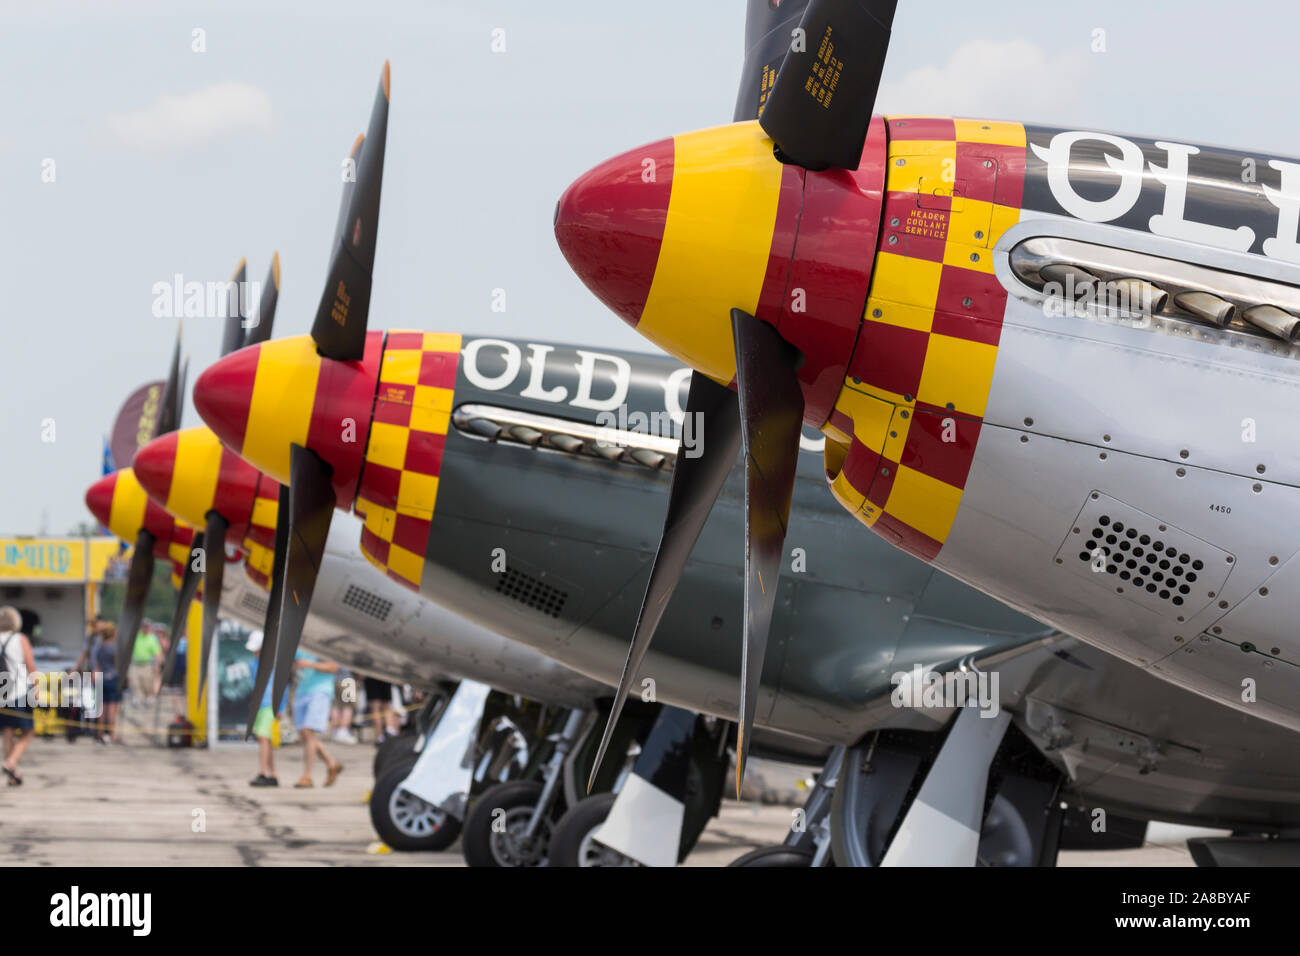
(144, 660)
(345, 692)
(15, 711)
(263, 724)
(104, 663)
(93, 632)
(379, 701)
(312, 699)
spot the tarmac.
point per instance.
(139, 804)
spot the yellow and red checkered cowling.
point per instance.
(399, 482)
(258, 563)
(903, 431)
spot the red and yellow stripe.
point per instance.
(905, 426)
(265, 398)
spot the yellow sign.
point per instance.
(43, 559)
(74, 560)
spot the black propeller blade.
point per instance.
(819, 111)
(766, 416)
(768, 37)
(271, 629)
(169, 417)
(771, 420)
(140, 573)
(232, 334)
(261, 332)
(139, 577)
(213, 581)
(184, 597)
(340, 327)
(349, 186)
(311, 506)
(180, 617)
(184, 383)
(695, 486)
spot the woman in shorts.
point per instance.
(15, 710)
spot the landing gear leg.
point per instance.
(440, 775)
(942, 827)
(809, 842)
(674, 788)
(405, 745)
(986, 797)
(871, 791)
(510, 823)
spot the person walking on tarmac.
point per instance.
(16, 661)
(263, 724)
(379, 701)
(312, 699)
(144, 661)
(104, 663)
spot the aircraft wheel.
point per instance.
(572, 843)
(403, 820)
(399, 747)
(494, 827)
(787, 856)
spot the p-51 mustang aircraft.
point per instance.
(1057, 364)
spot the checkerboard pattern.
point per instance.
(399, 483)
(908, 418)
(258, 563)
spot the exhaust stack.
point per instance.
(1274, 321)
(1143, 297)
(1207, 306)
(1068, 276)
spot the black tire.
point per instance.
(405, 822)
(400, 747)
(569, 840)
(484, 846)
(787, 856)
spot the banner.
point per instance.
(235, 670)
(136, 423)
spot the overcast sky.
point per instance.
(169, 161)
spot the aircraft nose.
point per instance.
(610, 225)
(189, 473)
(155, 466)
(675, 235)
(223, 395)
(262, 399)
(99, 498)
(119, 503)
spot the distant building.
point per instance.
(54, 582)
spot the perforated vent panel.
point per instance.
(531, 592)
(367, 603)
(1146, 560)
(254, 603)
